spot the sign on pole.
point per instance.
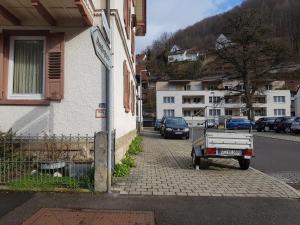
(101, 46)
(105, 26)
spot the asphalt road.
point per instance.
(170, 210)
(274, 155)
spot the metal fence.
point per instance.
(46, 161)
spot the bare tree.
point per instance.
(250, 51)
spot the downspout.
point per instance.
(109, 100)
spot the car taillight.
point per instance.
(211, 151)
(248, 152)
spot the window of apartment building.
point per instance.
(34, 67)
(215, 112)
(197, 100)
(228, 112)
(187, 113)
(186, 100)
(199, 113)
(214, 99)
(169, 112)
(269, 87)
(279, 112)
(212, 87)
(279, 99)
(169, 100)
(187, 87)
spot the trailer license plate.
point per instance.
(230, 152)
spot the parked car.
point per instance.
(175, 127)
(157, 124)
(211, 123)
(277, 121)
(295, 128)
(265, 124)
(284, 125)
(239, 124)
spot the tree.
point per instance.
(250, 51)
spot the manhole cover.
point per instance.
(90, 217)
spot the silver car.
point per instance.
(295, 127)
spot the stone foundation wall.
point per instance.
(122, 144)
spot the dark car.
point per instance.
(239, 124)
(265, 124)
(277, 121)
(157, 124)
(285, 125)
(175, 127)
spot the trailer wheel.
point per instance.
(244, 164)
(195, 160)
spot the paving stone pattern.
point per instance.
(165, 168)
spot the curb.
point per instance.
(278, 138)
(297, 193)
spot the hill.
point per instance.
(281, 17)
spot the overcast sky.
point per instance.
(171, 15)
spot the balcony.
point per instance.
(195, 100)
(76, 13)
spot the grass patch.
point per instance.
(45, 182)
(123, 169)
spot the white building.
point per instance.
(198, 100)
(51, 81)
(180, 55)
(297, 103)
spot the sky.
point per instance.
(171, 15)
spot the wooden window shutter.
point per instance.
(1, 66)
(132, 99)
(55, 67)
(126, 87)
(132, 43)
(128, 92)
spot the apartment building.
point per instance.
(52, 82)
(216, 99)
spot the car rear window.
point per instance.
(297, 119)
(176, 121)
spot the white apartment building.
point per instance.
(52, 82)
(297, 103)
(200, 100)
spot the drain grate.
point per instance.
(90, 217)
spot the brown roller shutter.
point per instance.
(1, 66)
(55, 67)
(132, 99)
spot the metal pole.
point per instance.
(109, 102)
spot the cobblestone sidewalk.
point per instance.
(164, 168)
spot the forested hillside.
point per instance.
(280, 17)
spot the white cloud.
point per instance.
(171, 15)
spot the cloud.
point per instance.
(171, 15)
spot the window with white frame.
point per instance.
(186, 113)
(169, 100)
(169, 112)
(214, 99)
(215, 112)
(279, 112)
(26, 67)
(279, 99)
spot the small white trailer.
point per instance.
(238, 146)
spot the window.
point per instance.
(197, 100)
(187, 87)
(186, 113)
(169, 100)
(214, 99)
(228, 112)
(26, 68)
(269, 87)
(169, 112)
(212, 87)
(35, 69)
(279, 112)
(215, 112)
(279, 99)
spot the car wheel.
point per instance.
(287, 130)
(244, 163)
(267, 129)
(195, 160)
(188, 137)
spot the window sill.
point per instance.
(25, 102)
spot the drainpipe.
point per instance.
(109, 100)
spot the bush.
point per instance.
(136, 146)
(121, 170)
(129, 161)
